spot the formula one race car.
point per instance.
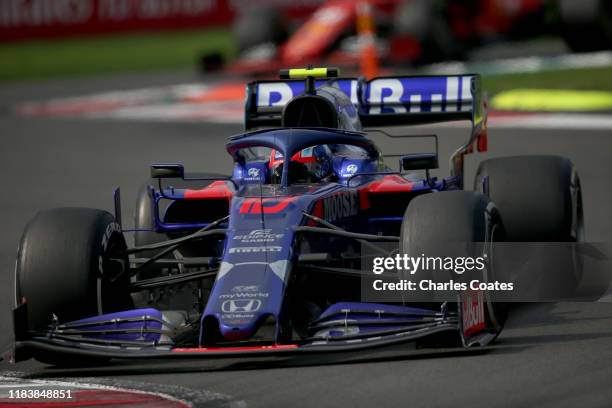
(406, 32)
(267, 261)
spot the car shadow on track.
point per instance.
(120, 368)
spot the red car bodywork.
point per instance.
(315, 40)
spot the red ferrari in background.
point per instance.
(405, 31)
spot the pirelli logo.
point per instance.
(248, 250)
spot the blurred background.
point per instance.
(522, 47)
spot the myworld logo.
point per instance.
(244, 295)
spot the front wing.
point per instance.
(130, 339)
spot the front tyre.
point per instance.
(456, 224)
(71, 263)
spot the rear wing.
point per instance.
(386, 101)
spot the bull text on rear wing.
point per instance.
(385, 101)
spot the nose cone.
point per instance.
(245, 295)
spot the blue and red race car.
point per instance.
(269, 260)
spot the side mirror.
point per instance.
(167, 171)
(419, 161)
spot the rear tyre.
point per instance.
(538, 197)
(540, 200)
(212, 62)
(425, 21)
(71, 263)
(144, 223)
(258, 25)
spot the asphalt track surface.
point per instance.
(557, 355)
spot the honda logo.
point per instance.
(241, 305)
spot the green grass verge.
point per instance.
(121, 52)
(594, 79)
(175, 50)
(586, 89)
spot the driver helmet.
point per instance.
(309, 165)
